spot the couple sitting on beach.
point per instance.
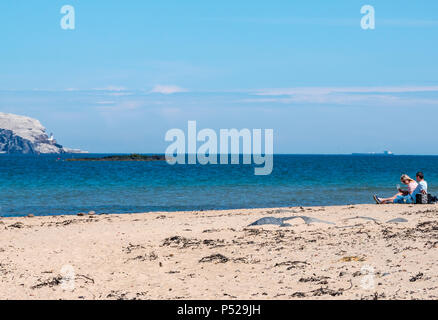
(410, 194)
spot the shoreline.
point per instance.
(215, 254)
(198, 211)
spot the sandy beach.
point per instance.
(216, 255)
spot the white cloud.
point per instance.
(167, 89)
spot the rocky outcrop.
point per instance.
(20, 134)
(10, 143)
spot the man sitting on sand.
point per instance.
(409, 195)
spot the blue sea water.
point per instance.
(48, 185)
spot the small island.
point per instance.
(130, 157)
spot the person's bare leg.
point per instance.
(391, 199)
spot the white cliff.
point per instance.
(20, 134)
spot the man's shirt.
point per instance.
(422, 185)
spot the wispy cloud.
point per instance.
(111, 88)
(391, 95)
(105, 102)
(167, 89)
(330, 90)
(121, 106)
(113, 91)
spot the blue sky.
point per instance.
(131, 70)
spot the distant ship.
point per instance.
(385, 153)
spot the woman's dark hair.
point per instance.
(420, 175)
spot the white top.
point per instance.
(422, 185)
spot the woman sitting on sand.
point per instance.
(405, 179)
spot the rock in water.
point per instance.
(20, 134)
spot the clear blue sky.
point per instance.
(131, 70)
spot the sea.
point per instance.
(49, 185)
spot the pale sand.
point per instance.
(128, 257)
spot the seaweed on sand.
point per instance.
(218, 258)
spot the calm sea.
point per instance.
(47, 185)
